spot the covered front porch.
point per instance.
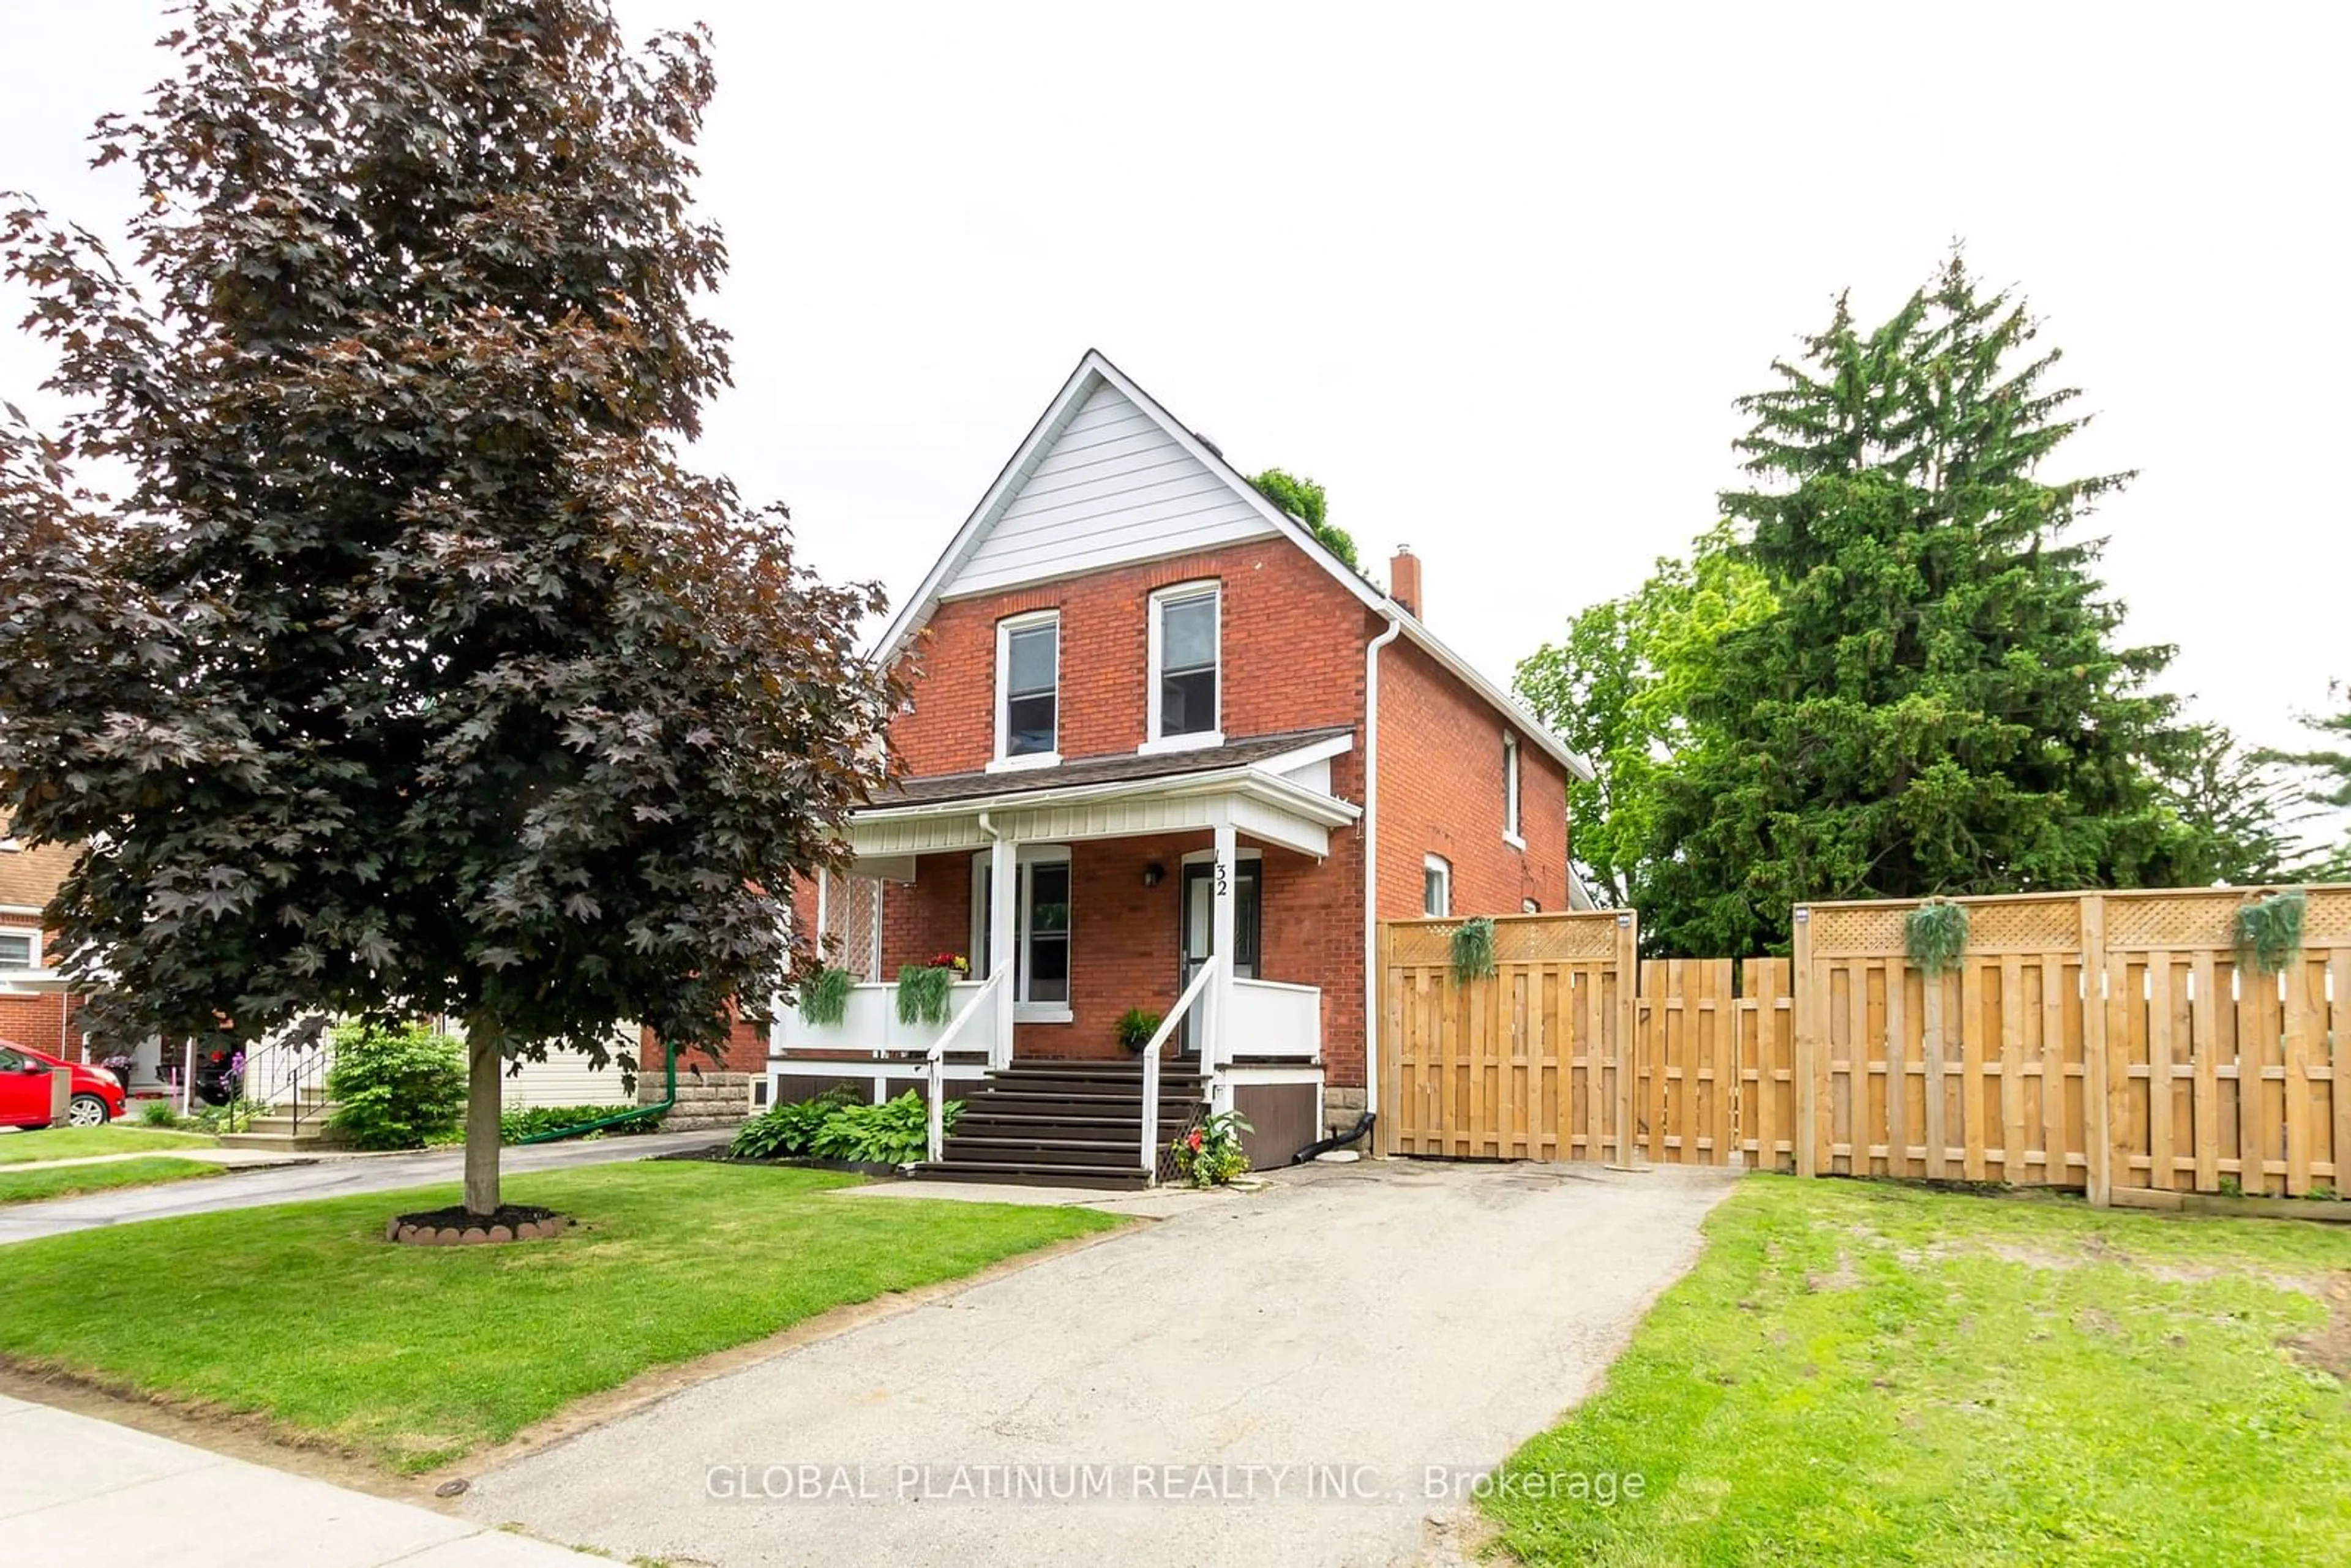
(1198, 893)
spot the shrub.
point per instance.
(894, 1133)
(394, 1088)
(783, 1132)
(520, 1121)
(159, 1113)
(838, 1125)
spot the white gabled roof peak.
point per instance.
(1240, 511)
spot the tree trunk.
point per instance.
(485, 1070)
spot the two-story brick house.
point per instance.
(1154, 721)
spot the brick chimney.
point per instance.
(1403, 579)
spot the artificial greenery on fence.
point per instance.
(1473, 950)
(2269, 930)
(824, 999)
(1935, 936)
(923, 993)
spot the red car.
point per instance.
(96, 1094)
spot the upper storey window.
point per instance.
(1029, 688)
(1185, 644)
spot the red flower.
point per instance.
(1193, 1140)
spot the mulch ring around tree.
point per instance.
(458, 1227)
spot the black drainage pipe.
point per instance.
(1337, 1141)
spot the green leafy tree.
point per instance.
(2324, 785)
(2239, 812)
(1939, 704)
(1304, 500)
(1617, 689)
(410, 673)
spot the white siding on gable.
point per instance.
(1110, 487)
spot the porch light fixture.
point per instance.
(1153, 874)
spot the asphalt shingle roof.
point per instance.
(1121, 767)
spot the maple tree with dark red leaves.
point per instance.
(406, 670)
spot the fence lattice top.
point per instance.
(2171, 919)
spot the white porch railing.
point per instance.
(1202, 982)
(981, 1001)
(1273, 1017)
(869, 1023)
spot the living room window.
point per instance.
(1041, 937)
(1186, 637)
(1028, 689)
(19, 950)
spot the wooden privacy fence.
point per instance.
(2106, 1041)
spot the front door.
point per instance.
(1200, 926)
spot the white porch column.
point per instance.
(1215, 1043)
(1003, 913)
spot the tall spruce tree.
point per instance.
(1939, 704)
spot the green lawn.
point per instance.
(63, 1181)
(1864, 1373)
(76, 1143)
(414, 1356)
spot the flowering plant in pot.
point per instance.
(1210, 1155)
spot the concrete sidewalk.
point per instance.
(323, 1177)
(89, 1493)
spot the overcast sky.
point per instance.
(1493, 275)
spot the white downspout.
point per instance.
(1371, 862)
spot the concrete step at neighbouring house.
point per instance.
(283, 1135)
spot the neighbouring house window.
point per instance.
(18, 950)
(1510, 787)
(1184, 637)
(1041, 938)
(1028, 685)
(1437, 886)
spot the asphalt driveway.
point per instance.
(1308, 1374)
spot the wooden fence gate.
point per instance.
(2106, 1041)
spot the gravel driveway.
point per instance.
(1303, 1375)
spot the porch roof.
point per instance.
(1249, 782)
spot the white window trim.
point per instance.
(1444, 869)
(32, 935)
(1004, 631)
(1025, 856)
(1213, 735)
(1511, 800)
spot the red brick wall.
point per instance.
(1125, 937)
(1441, 793)
(35, 1020)
(1293, 656)
(746, 1051)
